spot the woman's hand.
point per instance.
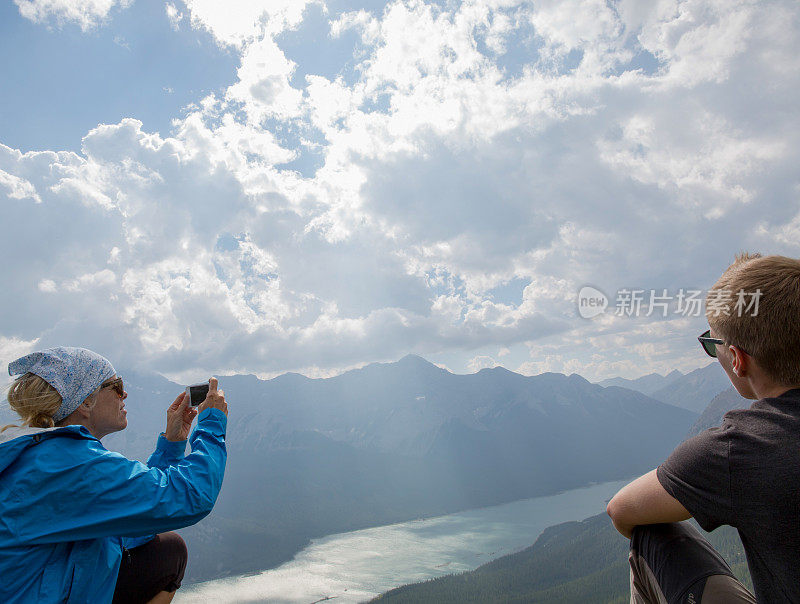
(179, 418)
(215, 399)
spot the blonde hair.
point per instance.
(772, 334)
(35, 401)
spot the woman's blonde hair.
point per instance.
(34, 400)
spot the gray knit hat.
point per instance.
(74, 372)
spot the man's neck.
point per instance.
(771, 390)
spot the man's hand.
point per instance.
(179, 419)
(644, 501)
(215, 399)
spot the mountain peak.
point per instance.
(292, 376)
(414, 358)
(575, 377)
(413, 361)
(495, 369)
(411, 364)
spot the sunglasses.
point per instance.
(709, 344)
(117, 385)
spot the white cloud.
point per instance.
(706, 169)
(87, 14)
(48, 285)
(237, 22)
(10, 350)
(787, 233)
(590, 26)
(18, 188)
(361, 21)
(264, 83)
(619, 348)
(173, 15)
(100, 279)
(698, 39)
(475, 364)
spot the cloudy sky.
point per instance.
(248, 186)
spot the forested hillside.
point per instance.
(581, 562)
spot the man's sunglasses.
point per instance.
(710, 344)
(117, 385)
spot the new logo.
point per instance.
(591, 302)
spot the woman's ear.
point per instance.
(85, 408)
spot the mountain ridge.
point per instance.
(395, 441)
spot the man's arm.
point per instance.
(644, 501)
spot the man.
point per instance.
(745, 473)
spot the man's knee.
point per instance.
(677, 555)
(649, 537)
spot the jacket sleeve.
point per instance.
(88, 492)
(167, 453)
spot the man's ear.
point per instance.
(740, 361)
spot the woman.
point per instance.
(78, 522)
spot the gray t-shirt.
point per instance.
(746, 473)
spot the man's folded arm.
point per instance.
(644, 501)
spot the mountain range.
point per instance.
(647, 384)
(690, 391)
(396, 441)
(584, 561)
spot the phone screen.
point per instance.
(197, 393)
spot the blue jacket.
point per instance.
(68, 506)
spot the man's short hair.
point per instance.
(772, 334)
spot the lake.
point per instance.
(357, 566)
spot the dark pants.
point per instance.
(673, 563)
(151, 568)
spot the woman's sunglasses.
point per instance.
(117, 385)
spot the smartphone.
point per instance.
(197, 393)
